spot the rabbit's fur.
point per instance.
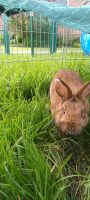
(69, 105)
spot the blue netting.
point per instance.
(77, 18)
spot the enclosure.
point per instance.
(36, 161)
(37, 37)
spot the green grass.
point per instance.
(36, 161)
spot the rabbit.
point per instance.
(69, 104)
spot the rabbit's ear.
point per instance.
(62, 89)
(84, 91)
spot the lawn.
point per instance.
(36, 161)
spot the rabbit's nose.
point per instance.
(72, 130)
(73, 133)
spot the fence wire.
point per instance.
(30, 37)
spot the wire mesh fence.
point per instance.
(28, 36)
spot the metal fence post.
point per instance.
(6, 35)
(51, 37)
(31, 34)
(54, 37)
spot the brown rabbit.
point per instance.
(69, 105)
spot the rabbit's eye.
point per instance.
(63, 111)
(82, 114)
